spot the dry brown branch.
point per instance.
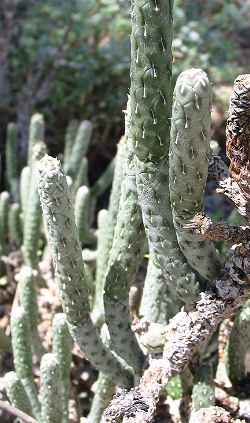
(15, 412)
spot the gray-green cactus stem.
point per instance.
(4, 210)
(15, 225)
(104, 181)
(70, 275)
(82, 216)
(36, 134)
(70, 135)
(188, 166)
(79, 149)
(82, 175)
(16, 393)
(24, 188)
(124, 261)
(51, 390)
(104, 390)
(62, 347)
(33, 217)
(203, 395)
(21, 344)
(12, 174)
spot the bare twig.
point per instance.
(15, 412)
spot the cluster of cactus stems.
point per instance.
(156, 206)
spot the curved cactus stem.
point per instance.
(12, 174)
(70, 136)
(106, 227)
(24, 188)
(239, 348)
(125, 257)
(82, 175)
(36, 134)
(51, 390)
(67, 257)
(104, 390)
(79, 149)
(104, 181)
(28, 300)
(188, 156)
(62, 347)
(4, 210)
(15, 225)
(33, 217)
(16, 393)
(21, 344)
(82, 216)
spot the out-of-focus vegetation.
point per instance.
(70, 59)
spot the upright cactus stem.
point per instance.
(71, 132)
(51, 390)
(16, 393)
(36, 134)
(82, 216)
(188, 156)
(4, 209)
(15, 225)
(12, 174)
(70, 275)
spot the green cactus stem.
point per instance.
(124, 261)
(70, 275)
(79, 149)
(4, 210)
(33, 217)
(24, 188)
(62, 347)
(16, 393)
(82, 216)
(51, 390)
(12, 174)
(104, 181)
(15, 225)
(239, 348)
(203, 395)
(188, 156)
(70, 136)
(21, 344)
(36, 134)
(82, 175)
(104, 390)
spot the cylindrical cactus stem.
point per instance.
(62, 347)
(188, 166)
(12, 174)
(24, 188)
(79, 149)
(238, 362)
(15, 225)
(67, 257)
(51, 390)
(21, 344)
(4, 210)
(70, 136)
(104, 390)
(82, 212)
(203, 395)
(82, 175)
(16, 393)
(28, 299)
(36, 134)
(124, 261)
(33, 217)
(104, 181)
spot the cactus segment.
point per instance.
(104, 390)
(70, 275)
(51, 390)
(21, 344)
(239, 348)
(79, 149)
(33, 217)
(4, 210)
(36, 134)
(82, 216)
(82, 175)
(12, 174)
(104, 181)
(24, 188)
(70, 136)
(62, 347)
(16, 393)
(15, 225)
(203, 395)
(188, 156)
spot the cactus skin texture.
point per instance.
(21, 344)
(70, 136)
(239, 348)
(15, 225)
(16, 393)
(51, 390)
(82, 216)
(82, 175)
(36, 134)
(104, 391)
(67, 257)
(4, 209)
(125, 257)
(33, 217)
(24, 188)
(188, 156)
(79, 149)
(203, 390)
(12, 174)
(62, 347)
